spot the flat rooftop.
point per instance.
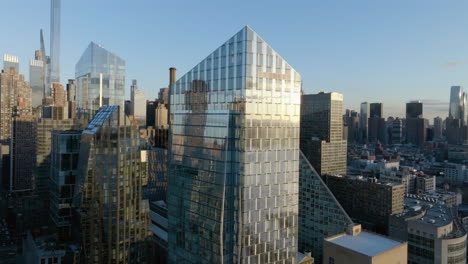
(365, 243)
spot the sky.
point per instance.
(375, 51)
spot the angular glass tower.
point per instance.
(100, 80)
(320, 214)
(113, 217)
(234, 162)
(36, 81)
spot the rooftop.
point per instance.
(365, 243)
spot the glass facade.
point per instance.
(100, 80)
(320, 214)
(113, 217)
(54, 67)
(36, 81)
(63, 174)
(234, 162)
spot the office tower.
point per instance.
(414, 109)
(438, 127)
(367, 201)
(128, 108)
(234, 172)
(376, 130)
(138, 103)
(433, 230)
(397, 131)
(15, 93)
(320, 214)
(375, 110)
(321, 132)
(150, 113)
(10, 61)
(43, 146)
(457, 104)
(416, 125)
(357, 246)
(113, 217)
(351, 119)
(22, 154)
(54, 67)
(365, 113)
(36, 81)
(100, 80)
(71, 98)
(64, 155)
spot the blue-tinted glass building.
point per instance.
(234, 160)
(100, 80)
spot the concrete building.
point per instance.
(433, 231)
(455, 174)
(367, 201)
(425, 183)
(361, 247)
(396, 175)
(117, 232)
(351, 120)
(322, 132)
(397, 131)
(16, 99)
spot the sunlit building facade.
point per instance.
(100, 80)
(234, 160)
(113, 217)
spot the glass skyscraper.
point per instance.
(234, 162)
(54, 67)
(36, 81)
(114, 219)
(457, 104)
(100, 80)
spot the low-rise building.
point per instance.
(361, 247)
(434, 232)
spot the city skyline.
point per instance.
(384, 55)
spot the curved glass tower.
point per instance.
(234, 162)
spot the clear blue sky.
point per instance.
(376, 51)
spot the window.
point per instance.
(331, 260)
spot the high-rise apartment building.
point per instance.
(100, 80)
(54, 67)
(138, 103)
(10, 61)
(113, 217)
(438, 127)
(416, 125)
(322, 132)
(363, 119)
(367, 201)
(234, 165)
(71, 98)
(15, 97)
(63, 173)
(320, 214)
(36, 81)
